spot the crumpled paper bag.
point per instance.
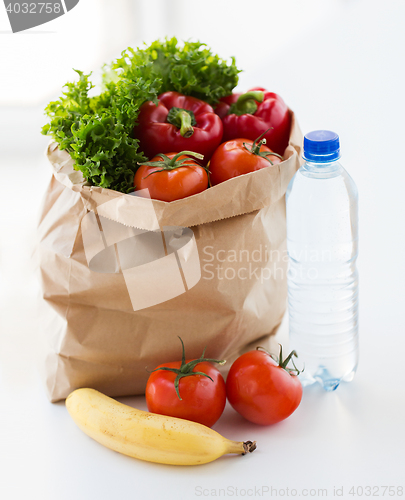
(123, 276)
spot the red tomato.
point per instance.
(168, 180)
(238, 157)
(202, 398)
(261, 390)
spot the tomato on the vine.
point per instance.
(240, 156)
(194, 390)
(262, 389)
(172, 176)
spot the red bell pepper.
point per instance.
(255, 113)
(178, 123)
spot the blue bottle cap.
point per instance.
(321, 146)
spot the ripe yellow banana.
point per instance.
(148, 436)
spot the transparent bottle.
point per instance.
(322, 243)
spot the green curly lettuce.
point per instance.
(98, 131)
(191, 69)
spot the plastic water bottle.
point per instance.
(322, 242)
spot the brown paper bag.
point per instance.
(123, 276)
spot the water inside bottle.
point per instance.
(322, 243)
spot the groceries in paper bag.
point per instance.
(164, 217)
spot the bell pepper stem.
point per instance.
(257, 95)
(247, 103)
(183, 119)
(186, 129)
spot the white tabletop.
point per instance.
(353, 437)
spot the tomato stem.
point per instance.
(257, 144)
(167, 163)
(282, 363)
(186, 369)
(173, 161)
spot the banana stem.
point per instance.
(241, 448)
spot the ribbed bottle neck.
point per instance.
(319, 167)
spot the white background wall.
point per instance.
(39, 61)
